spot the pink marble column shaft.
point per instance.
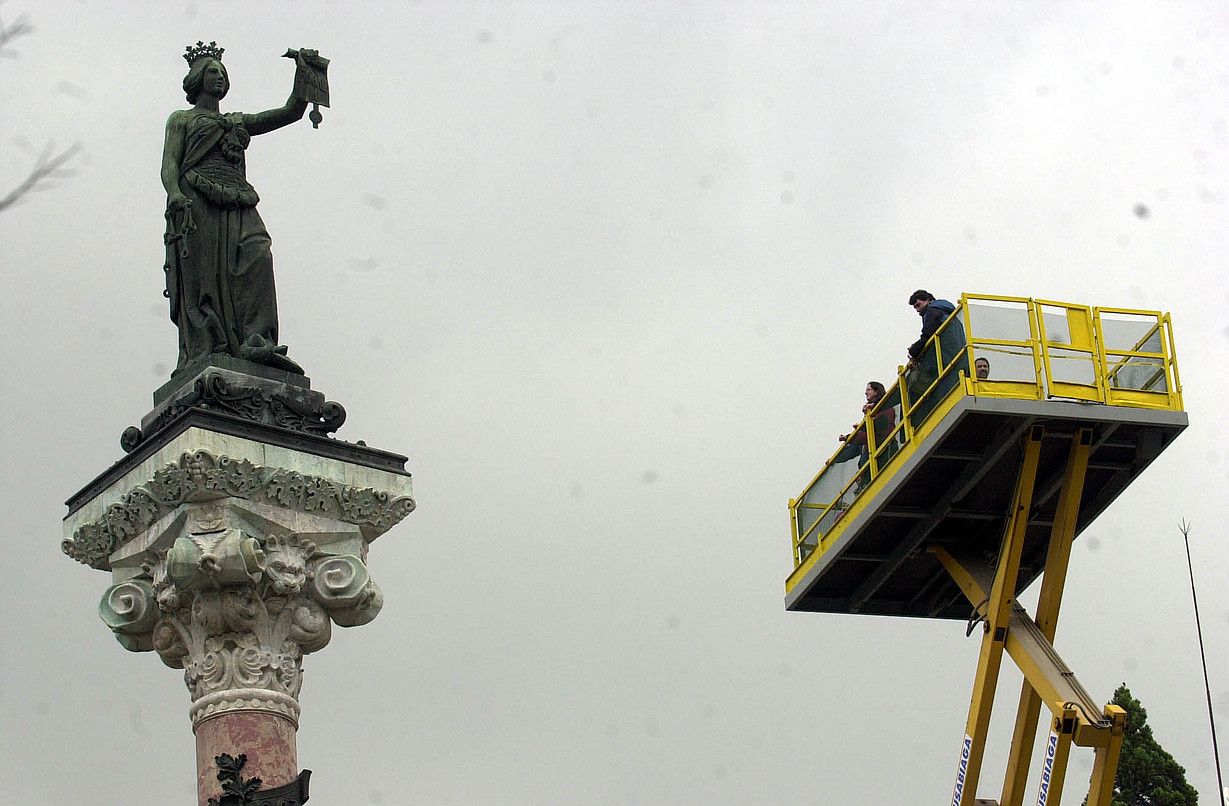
(267, 739)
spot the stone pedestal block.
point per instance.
(242, 390)
(234, 548)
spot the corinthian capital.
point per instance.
(233, 571)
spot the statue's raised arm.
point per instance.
(219, 265)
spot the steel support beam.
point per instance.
(1054, 577)
(1105, 763)
(998, 614)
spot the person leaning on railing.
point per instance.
(923, 364)
(884, 420)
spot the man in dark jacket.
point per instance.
(934, 312)
(924, 364)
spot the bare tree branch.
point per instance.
(47, 168)
(13, 30)
(49, 165)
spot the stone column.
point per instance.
(232, 558)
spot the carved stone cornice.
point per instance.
(201, 476)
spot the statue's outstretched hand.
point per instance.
(177, 201)
(306, 57)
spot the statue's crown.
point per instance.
(200, 50)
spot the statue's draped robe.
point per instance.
(221, 291)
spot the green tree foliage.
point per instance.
(1147, 774)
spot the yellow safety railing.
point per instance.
(1036, 350)
(1145, 373)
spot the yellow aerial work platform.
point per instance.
(969, 488)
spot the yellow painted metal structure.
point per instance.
(970, 488)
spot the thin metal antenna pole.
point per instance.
(1185, 528)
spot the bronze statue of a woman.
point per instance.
(219, 268)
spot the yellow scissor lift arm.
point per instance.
(980, 487)
(1006, 626)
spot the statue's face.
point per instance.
(215, 82)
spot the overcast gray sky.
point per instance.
(613, 275)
